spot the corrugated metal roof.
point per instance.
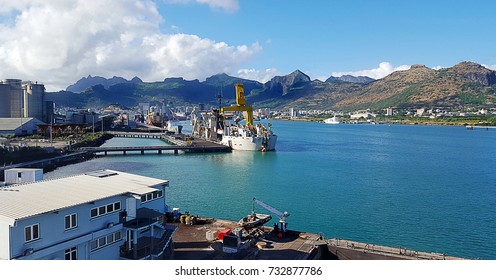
(13, 123)
(26, 200)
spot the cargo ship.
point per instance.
(224, 127)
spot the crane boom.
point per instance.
(279, 214)
(241, 105)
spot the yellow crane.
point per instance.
(241, 105)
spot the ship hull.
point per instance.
(250, 143)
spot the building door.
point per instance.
(131, 208)
(129, 239)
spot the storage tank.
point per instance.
(4, 100)
(16, 97)
(34, 94)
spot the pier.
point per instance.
(158, 149)
(190, 243)
(470, 127)
(136, 134)
(178, 143)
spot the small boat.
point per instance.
(254, 220)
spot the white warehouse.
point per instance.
(100, 215)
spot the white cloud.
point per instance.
(226, 5)
(438, 67)
(258, 75)
(57, 42)
(384, 69)
(491, 67)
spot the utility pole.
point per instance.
(51, 128)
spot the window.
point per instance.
(32, 232)
(70, 221)
(105, 209)
(151, 196)
(105, 240)
(71, 254)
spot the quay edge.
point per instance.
(190, 243)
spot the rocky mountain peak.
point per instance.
(417, 66)
(282, 84)
(87, 82)
(474, 72)
(351, 79)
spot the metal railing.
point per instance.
(379, 249)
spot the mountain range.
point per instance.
(465, 84)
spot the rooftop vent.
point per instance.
(102, 173)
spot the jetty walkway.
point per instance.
(177, 143)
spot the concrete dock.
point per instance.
(190, 243)
(177, 143)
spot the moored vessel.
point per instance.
(223, 127)
(254, 220)
(332, 120)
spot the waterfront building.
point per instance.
(98, 215)
(19, 126)
(362, 115)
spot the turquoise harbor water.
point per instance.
(427, 188)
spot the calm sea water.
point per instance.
(426, 188)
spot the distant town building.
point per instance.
(99, 215)
(389, 111)
(144, 107)
(293, 113)
(82, 117)
(262, 113)
(364, 115)
(420, 112)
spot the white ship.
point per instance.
(222, 127)
(332, 120)
(249, 138)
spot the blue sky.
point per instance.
(57, 42)
(321, 37)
